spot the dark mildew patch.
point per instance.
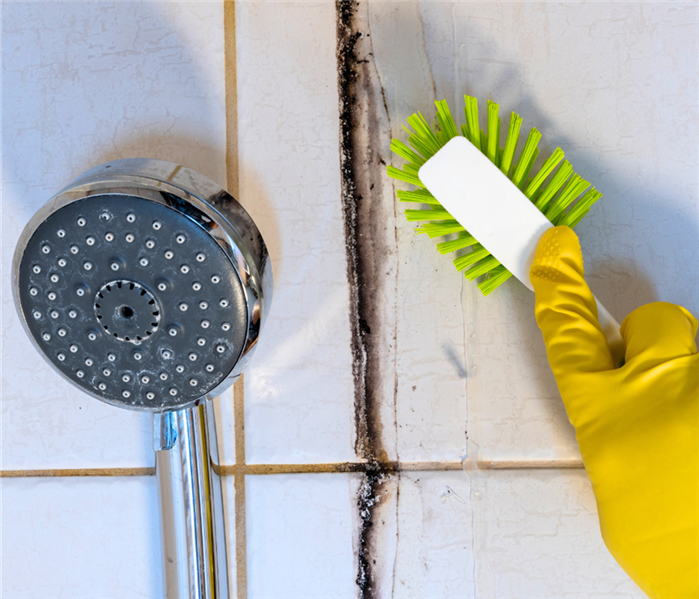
(370, 244)
(367, 500)
(347, 78)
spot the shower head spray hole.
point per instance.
(109, 328)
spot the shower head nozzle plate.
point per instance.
(146, 298)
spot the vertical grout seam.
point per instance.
(233, 185)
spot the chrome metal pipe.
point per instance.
(146, 285)
(191, 504)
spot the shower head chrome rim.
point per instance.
(143, 283)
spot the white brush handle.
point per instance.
(492, 209)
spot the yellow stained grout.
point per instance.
(241, 468)
(232, 183)
(530, 464)
(239, 472)
(334, 467)
(65, 472)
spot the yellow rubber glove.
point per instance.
(637, 426)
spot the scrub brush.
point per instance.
(563, 197)
(474, 191)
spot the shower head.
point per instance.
(143, 283)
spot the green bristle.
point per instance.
(558, 181)
(440, 229)
(575, 187)
(529, 154)
(545, 171)
(417, 215)
(442, 137)
(483, 267)
(527, 168)
(417, 143)
(425, 133)
(426, 140)
(411, 169)
(577, 219)
(445, 120)
(471, 114)
(581, 208)
(477, 253)
(495, 278)
(419, 195)
(464, 240)
(398, 147)
(493, 145)
(395, 173)
(422, 146)
(508, 152)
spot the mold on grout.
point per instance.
(367, 502)
(368, 216)
(358, 239)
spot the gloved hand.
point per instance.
(637, 426)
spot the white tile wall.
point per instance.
(89, 82)
(300, 536)
(623, 106)
(78, 538)
(84, 83)
(435, 556)
(298, 391)
(430, 369)
(536, 535)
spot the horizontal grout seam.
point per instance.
(66, 472)
(338, 467)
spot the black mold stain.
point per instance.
(364, 226)
(347, 39)
(366, 502)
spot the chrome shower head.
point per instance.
(143, 283)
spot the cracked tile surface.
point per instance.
(610, 105)
(536, 535)
(614, 84)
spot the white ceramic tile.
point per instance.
(614, 84)
(84, 83)
(90, 538)
(299, 390)
(430, 363)
(537, 535)
(299, 533)
(228, 492)
(435, 543)
(225, 427)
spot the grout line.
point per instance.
(239, 470)
(233, 185)
(391, 467)
(339, 467)
(229, 50)
(261, 469)
(67, 472)
(530, 464)
(336, 467)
